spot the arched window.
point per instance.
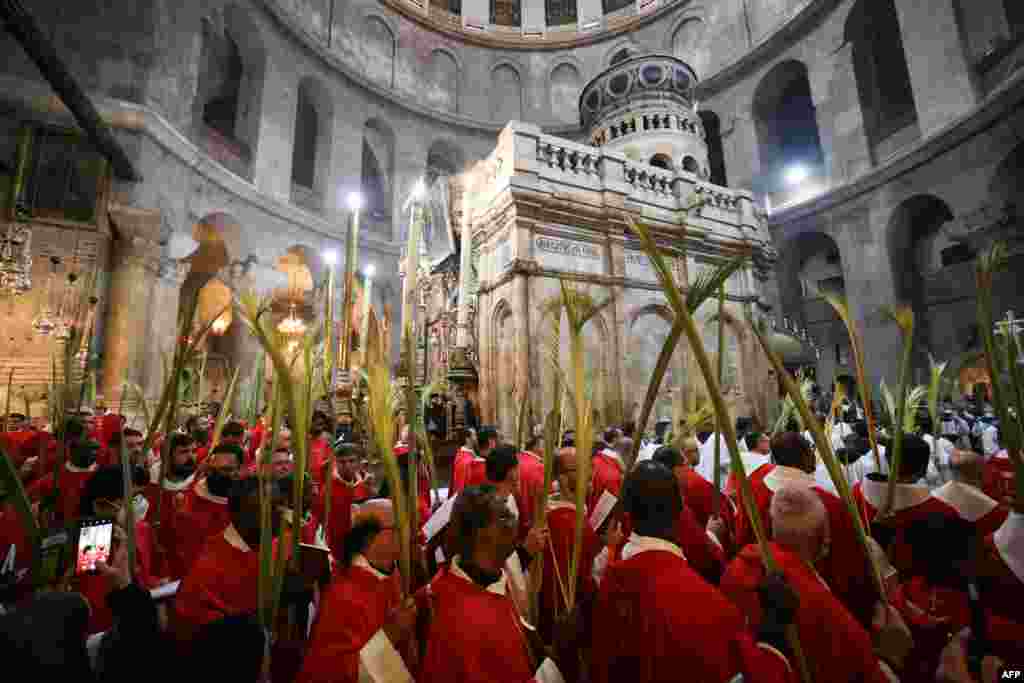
(377, 180)
(453, 6)
(787, 129)
(880, 66)
(565, 89)
(621, 56)
(615, 5)
(506, 94)
(661, 161)
(443, 81)
(304, 149)
(223, 63)
(690, 165)
(558, 12)
(506, 12)
(713, 139)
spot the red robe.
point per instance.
(704, 555)
(824, 625)
(998, 476)
(200, 516)
(972, 505)
(562, 525)
(255, 441)
(15, 547)
(474, 635)
(352, 610)
(169, 562)
(460, 469)
(319, 454)
(96, 587)
(13, 444)
(71, 485)
(845, 569)
(911, 503)
(607, 476)
(531, 484)
(698, 494)
(758, 474)
(341, 512)
(656, 620)
(223, 581)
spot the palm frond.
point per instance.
(710, 282)
(934, 385)
(229, 398)
(904, 318)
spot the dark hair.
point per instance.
(628, 428)
(940, 546)
(74, 429)
(180, 441)
(191, 424)
(847, 455)
(131, 432)
(669, 456)
(500, 462)
(651, 496)
(485, 434)
(358, 539)
(915, 456)
(744, 425)
(752, 438)
(240, 635)
(532, 442)
(790, 450)
(233, 449)
(609, 435)
(233, 429)
(473, 511)
(241, 489)
(107, 483)
(569, 440)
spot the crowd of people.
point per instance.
(668, 581)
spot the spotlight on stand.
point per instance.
(355, 201)
(419, 190)
(796, 175)
(330, 257)
(369, 270)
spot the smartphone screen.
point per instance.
(94, 539)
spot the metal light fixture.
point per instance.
(15, 260)
(292, 325)
(48, 322)
(220, 325)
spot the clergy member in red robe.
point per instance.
(799, 525)
(971, 503)
(343, 494)
(476, 633)
(224, 579)
(998, 476)
(468, 466)
(655, 619)
(78, 468)
(361, 625)
(608, 473)
(204, 512)
(166, 501)
(531, 477)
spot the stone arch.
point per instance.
(564, 85)
(443, 79)
(880, 69)
(377, 180)
(787, 130)
(610, 6)
(691, 165)
(313, 143)
(663, 161)
(229, 87)
(622, 50)
(379, 50)
(688, 42)
(506, 92)
(647, 327)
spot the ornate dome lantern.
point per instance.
(643, 108)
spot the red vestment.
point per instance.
(352, 610)
(656, 621)
(698, 494)
(460, 469)
(319, 454)
(15, 547)
(223, 581)
(70, 485)
(531, 484)
(96, 587)
(911, 503)
(200, 516)
(973, 505)
(998, 476)
(825, 627)
(608, 472)
(341, 512)
(256, 436)
(171, 497)
(475, 635)
(557, 555)
(845, 569)
(757, 474)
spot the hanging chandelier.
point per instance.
(292, 326)
(47, 321)
(15, 260)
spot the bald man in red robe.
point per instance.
(476, 633)
(655, 619)
(800, 531)
(362, 625)
(224, 579)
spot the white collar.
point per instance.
(641, 544)
(360, 478)
(614, 456)
(79, 470)
(179, 485)
(967, 500)
(535, 456)
(781, 475)
(235, 539)
(203, 491)
(499, 587)
(510, 503)
(360, 561)
(906, 495)
(1009, 541)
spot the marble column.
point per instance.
(940, 74)
(162, 329)
(840, 118)
(135, 267)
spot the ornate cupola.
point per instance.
(643, 109)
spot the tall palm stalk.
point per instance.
(716, 501)
(682, 313)
(904, 318)
(222, 415)
(936, 370)
(127, 495)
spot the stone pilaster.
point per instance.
(272, 163)
(939, 72)
(135, 260)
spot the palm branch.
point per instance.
(904, 318)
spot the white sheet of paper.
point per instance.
(379, 662)
(440, 518)
(166, 590)
(548, 672)
(601, 511)
(439, 555)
